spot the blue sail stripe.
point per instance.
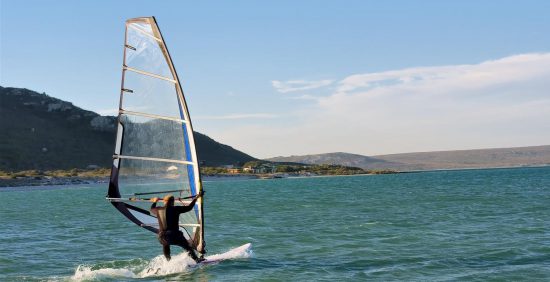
(190, 170)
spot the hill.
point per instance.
(345, 159)
(42, 132)
(481, 158)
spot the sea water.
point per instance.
(438, 226)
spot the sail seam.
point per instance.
(148, 74)
(132, 113)
(152, 159)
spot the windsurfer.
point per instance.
(168, 218)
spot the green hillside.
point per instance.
(42, 132)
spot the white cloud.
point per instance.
(299, 85)
(490, 84)
(497, 103)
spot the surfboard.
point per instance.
(239, 252)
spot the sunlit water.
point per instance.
(448, 225)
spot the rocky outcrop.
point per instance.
(60, 106)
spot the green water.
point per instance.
(453, 225)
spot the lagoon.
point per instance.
(441, 225)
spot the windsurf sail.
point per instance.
(155, 151)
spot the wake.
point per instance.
(158, 266)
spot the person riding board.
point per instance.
(168, 218)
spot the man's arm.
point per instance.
(154, 209)
(186, 208)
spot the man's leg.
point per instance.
(166, 251)
(190, 251)
(185, 245)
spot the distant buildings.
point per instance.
(234, 170)
(261, 168)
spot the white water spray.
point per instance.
(158, 266)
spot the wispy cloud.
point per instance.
(427, 79)
(237, 116)
(299, 85)
(496, 103)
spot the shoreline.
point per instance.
(33, 181)
(75, 176)
(53, 181)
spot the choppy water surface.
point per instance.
(447, 225)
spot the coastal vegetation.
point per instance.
(75, 172)
(256, 169)
(264, 168)
(53, 177)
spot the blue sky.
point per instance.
(277, 78)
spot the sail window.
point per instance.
(151, 95)
(154, 138)
(148, 56)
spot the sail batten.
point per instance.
(155, 150)
(149, 74)
(152, 159)
(133, 113)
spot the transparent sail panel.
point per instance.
(186, 219)
(148, 54)
(143, 26)
(147, 179)
(150, 95)
(153, 138)
(144, 218)
(137, 177)
(152, 221)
